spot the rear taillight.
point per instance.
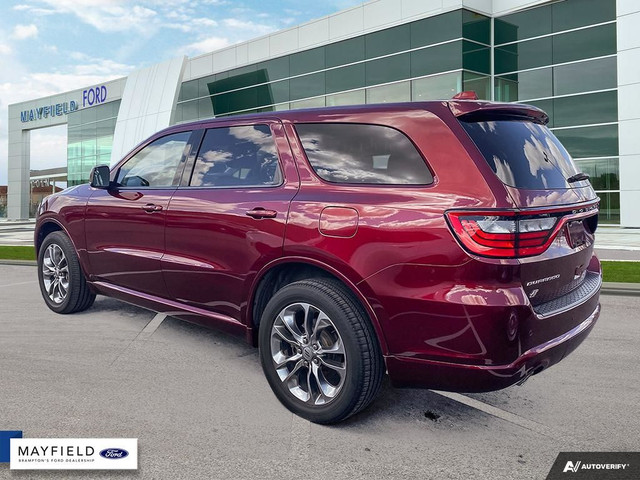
(503, 234)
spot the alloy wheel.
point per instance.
(55, 273)
(308, 353)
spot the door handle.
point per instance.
(260, 212)
(151, 208)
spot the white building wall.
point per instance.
(628, 18)
(148, 104)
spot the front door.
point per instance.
(125, 224)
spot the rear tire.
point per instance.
(62, 281)
(319, 351)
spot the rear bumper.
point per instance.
(423, 373)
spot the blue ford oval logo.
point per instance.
(113, 453)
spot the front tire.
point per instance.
(62, 282)
(319, 351)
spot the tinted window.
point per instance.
(354, 153)
(233, 156)
(156, 165)
(523, 154)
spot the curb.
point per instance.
(608, 288)
(29, 263)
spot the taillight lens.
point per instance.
(503, 234)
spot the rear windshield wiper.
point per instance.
(578, 177)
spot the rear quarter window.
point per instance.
(362, 154)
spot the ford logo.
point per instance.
(114, 453)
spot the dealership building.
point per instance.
(579, 60)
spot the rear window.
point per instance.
(523, 154)
(363, 154)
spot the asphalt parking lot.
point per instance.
(198, 402)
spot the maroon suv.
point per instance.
(447, 243)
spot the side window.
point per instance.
(156, 165)
(242, 156)
(364, 154)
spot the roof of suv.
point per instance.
(469, 109)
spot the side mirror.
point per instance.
(100, 177)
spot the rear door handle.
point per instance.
(150, 208)
(260, 212)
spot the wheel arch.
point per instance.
(47, 227)
(285, 271)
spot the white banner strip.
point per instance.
(74, 454)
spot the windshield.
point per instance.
(523, 154)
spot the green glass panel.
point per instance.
(347, 51)
(388, 41)
(396, 92)
(436, 29)
(481, 84)
(308, 103)
(578, 13)
(206, 86)
(205, 107)
(591, 42)
(356, 97)
(178, 114)
(526, 24)
(274, 69)
(506, 89)
(235, 101)
(476, 27)
(345, 78)
(88, 135)
(239, 78)
(585, 109)
(190, 111)
(585, 76)
(265, 96)
(533, 84)
(438, 87)
(88, 115)
(279, 91)
(604, 172)
(104, 144)
(585, 142)
(609, 208)
(73, 119)
(437, 59)
(476, 57)
(188, 90)
(307, 61)
(519, 56)
(307, 86)
(388, 69)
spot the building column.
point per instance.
(18, 191)
(628, 18)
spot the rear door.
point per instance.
(552, 196)
(125, 224)
(228, 218)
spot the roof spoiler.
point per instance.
(484, 111)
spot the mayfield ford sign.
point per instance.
(90, 97)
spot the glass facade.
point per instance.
(561, 57)
(89, 140)
(428, 59)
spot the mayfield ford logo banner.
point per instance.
(90, 97)
(74, 454)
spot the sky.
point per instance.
(51, 46)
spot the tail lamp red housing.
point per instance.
(504, 234)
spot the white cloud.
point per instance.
(22, 32)
(107, 15)
(206, 45)
(5, 49)
(248, 25)
(33, 10)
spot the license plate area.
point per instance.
(577, 233)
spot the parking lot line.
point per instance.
(19, 283)
(151, 327)
(499, 413)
